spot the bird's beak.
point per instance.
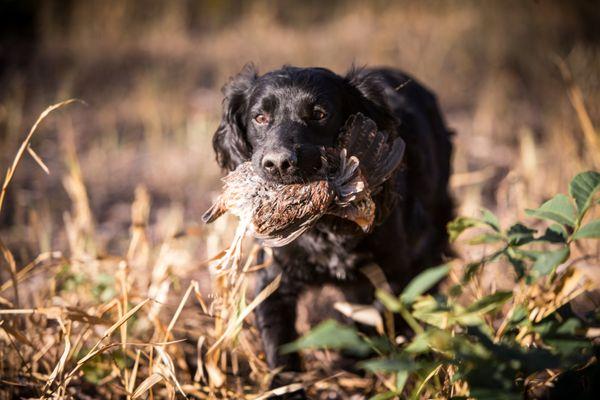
(364, 224)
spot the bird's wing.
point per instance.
(287, 234)
(378, 155)
(238, 186)
(295, 209)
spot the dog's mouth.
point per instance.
(314, 164)
(297, 176)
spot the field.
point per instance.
(105, 283)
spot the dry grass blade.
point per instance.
(12, 268)
(592, 333)
(96, 350)
(60, 366)
(11, 170)
(147, 384)
(38, 160)
(234, 324)
(459, 180)
(17, 335)
(216, 376)
(365, 314)
(93, 353)
(169, 368)
(280, 391)
(427, 378)
(193, 285)
(577, 101)
(6, 302)
(99, 350)
(199, 375)
(138, 251)
(293, 387)
(124, 319)
(59, 313)
(376, 276)
(134, 371)
(22, 273)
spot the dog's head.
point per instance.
(282, 119)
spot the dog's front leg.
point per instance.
(276, 319)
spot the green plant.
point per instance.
(498, 345)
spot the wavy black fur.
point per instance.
(413, 207)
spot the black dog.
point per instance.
(279, 120)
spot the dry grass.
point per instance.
(117, 344)
(102, 286)
(101, 338)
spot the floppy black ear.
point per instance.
(367, 96)
(229, 141)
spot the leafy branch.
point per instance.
(502, 344)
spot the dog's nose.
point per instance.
(278, 163)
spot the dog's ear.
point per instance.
(367, 96)
(229, 141)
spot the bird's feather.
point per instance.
(215, 211)
(289, 233)
(379, 155)
(277, 214)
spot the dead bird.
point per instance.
(278, 213)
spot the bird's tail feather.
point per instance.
(378, 155)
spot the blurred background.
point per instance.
(518, 82)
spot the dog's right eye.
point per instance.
(262, 119)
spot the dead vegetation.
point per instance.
(103, 288)
(99, 331)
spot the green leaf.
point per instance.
(401, 378)
(555, 233)
(455, 290)
(391, 302)
(486, 238)
(518, 314)
(470, 319)
(329, 334)
(519, 234)
(490, 302)
(387, 365)
(432, 338)
(591, 230)
(380, 344)
(558, 209)
(548, 261)
(490, 219)
(435, 317)
(384, 396)
(423, 282)
(473, 268)
(572, 347)
(459, 225)
(517, 263)
(582, 189)
(569, 327)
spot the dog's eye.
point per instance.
(318, 114)
(262, 119)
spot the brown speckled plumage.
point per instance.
(277, 214)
